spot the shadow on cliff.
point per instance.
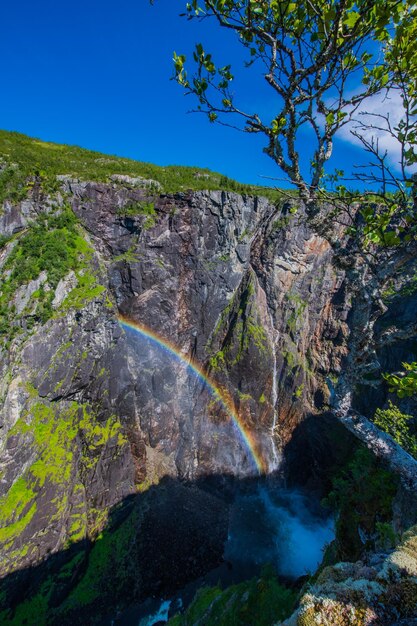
(154, 543)
(319, 446)
(158, 541)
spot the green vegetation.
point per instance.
(33, 163)
(137, 208)
(387, 537)
(53, 244)
(361, 503)
(397, 424)
(244, 397)
(4, 239)
(258, 602)
(295, 360)
(291, 359)
(299, 305)
(106, 570)
(298, 393)
(54, 436)
(108, 566)
(33, 608)
(255, 333)
(217, 361)
(409, 288)
(310, 51)
(404, 384)
(16, 509)
(130, 256)
(52, 440)
(281, 223)
(86, 290)
(240, 320)
(140, 208)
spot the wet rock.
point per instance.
(212, 274)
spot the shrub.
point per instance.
(361, 504)
(397, 424)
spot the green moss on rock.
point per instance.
(239, 330)
(64, 441)
(107, 571)
(17, 509)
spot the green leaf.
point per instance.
(330, 118)
(351, 19)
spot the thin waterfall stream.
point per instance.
(274, 397)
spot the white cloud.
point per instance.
(375, 111)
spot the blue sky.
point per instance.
(97, 74)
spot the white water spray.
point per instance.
(301, 536)
(282, 527)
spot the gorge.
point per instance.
(172, 355)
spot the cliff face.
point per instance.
(149, 337)
(92, 411)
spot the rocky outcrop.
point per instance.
(357, 594)
(383, 446)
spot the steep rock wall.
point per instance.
(92, 412)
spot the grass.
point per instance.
(31, 162)
(54, 243)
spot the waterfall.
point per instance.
(274, 397)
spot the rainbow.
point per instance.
(218, 394)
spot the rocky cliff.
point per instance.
(214, 273)
(150, 337)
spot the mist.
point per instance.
(284, 528)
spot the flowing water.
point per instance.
(161, 615)
(274, 465)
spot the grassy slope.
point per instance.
(46, 160)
